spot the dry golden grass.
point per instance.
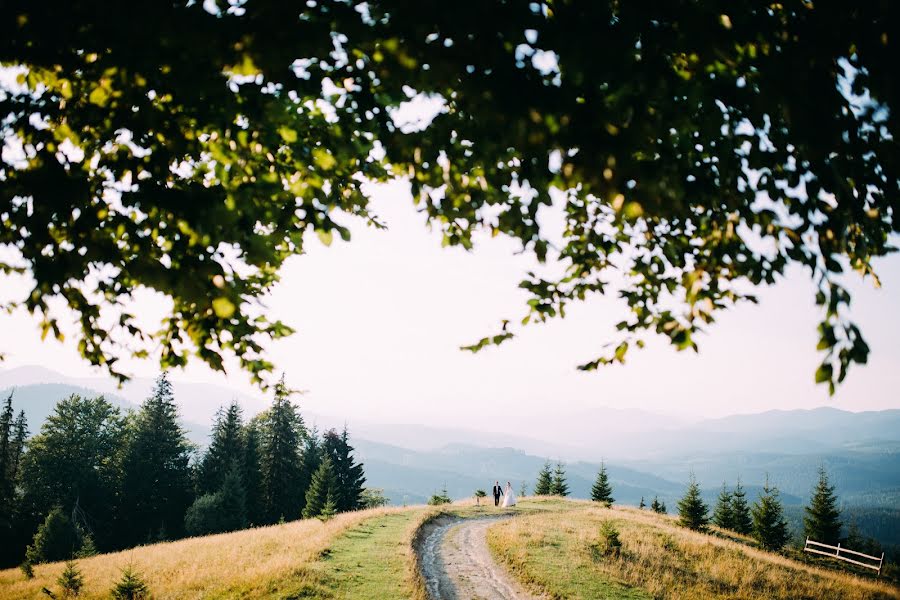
(556, 553)
(267, 562)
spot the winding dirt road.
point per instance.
(457, 565)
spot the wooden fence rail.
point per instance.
(838, 552)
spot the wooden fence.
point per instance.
(838, 553)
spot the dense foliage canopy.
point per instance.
(694, 148)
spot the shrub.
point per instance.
(439, 499)
(329, 510)
(131, 586)
(88, 548)
(373, 498)
(71, 580)
(55, 539)
(205, 516)
(608, 543)
(27, 569)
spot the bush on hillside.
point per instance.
(608, 543)
(71, 581)
(131, 586)
(205, 516)
(55, 539)
(373, 498)
(439, 499)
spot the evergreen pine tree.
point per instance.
(602, 490)
(559, 486)
(692, 511)
(769, 526)
(12, 444)
(642, 506)
(662, 508)
(71, 580)
(131, 586)
(18, 443)
(7, 481)
(310, 459)
(654, 506)
(330, 508)
(252, 475)
(348, 474)
(225, 448)
(10, 452)
(88, 548)
(234, 499)
(740, 511)
(157, 489)
(543, 485)
(320, 488)
(723, 515)
(281, 470)
(821, 521)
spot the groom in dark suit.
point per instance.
(498, 491)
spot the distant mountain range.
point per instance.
(646, 454)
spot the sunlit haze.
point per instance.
(380, 319)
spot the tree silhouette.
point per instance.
(559, 486)
(769, 526)
(156, 486)
(692, 511)
(723, 514)
(741, 521)
(822, 519)
(602, 490)
(544, 484)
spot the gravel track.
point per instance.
(457, 565)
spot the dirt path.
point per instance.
(457, 565)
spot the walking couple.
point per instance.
(509, 497)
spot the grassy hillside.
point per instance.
(561, 553)
(552, 545)
(306, 559)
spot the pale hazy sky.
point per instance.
(379, 321)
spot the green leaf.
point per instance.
(287, 134)
(223, 307)
(824, 373)
(325, 236)
(99, 96)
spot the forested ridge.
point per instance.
(95, 478)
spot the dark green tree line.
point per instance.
(94, 479)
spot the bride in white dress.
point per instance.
(509, 497)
